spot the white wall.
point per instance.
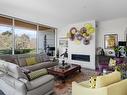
(115, 26)
(79, 49)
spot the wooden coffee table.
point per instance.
(63, 73)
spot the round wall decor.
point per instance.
(73, 30)
(83, 30)
(85, 33)
(79, 37)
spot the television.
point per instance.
(122, 43)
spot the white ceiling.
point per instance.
(61, 12)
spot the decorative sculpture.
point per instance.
(85, 33)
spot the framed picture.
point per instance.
(110, 41)
(63, 42)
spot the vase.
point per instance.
(117, 54)
(63, 62)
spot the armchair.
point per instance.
(104, 86)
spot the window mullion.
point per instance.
(13, 41)
(37, 40)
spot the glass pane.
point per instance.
(25, 41)
(47, 42)
(5, 40)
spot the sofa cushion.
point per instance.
(30, 61)
(38, 58)
(13, 70)
(9, 58)
(85, 84)
(39, 81)
(33, 67)
(35, 74)
(108, 79)
(22, 62)
(40, 66)
(22, 59)
(3, 66)
(44, 57)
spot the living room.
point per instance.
(69, 47)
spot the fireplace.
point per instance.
(80, 57)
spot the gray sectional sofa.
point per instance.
(43, 61)
(15, 82)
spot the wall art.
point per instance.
(84, 34)
(110, 41)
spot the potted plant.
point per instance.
(125, 49)
(117, 51)
(57, 53)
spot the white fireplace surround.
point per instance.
(74, 48)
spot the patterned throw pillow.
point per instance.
(92, 82)
(31, 61)
(112, 62)
(35, 74)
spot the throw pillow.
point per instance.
(12, 70)
(92, 82)
(22, 62)
(31, 61)
(108, 79)
(112, 62)
(35, 74)
(45, 57)
(38, 58)
(3, 66)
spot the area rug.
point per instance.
(65, 88)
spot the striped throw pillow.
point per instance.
(35, 74)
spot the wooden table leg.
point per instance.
(63, 79)
(80, 69)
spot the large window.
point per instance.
(5, 40)
(25, 41)
(19, 37)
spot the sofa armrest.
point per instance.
(119, 88)
(16, 84)
(26, 82)
(23, 80)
